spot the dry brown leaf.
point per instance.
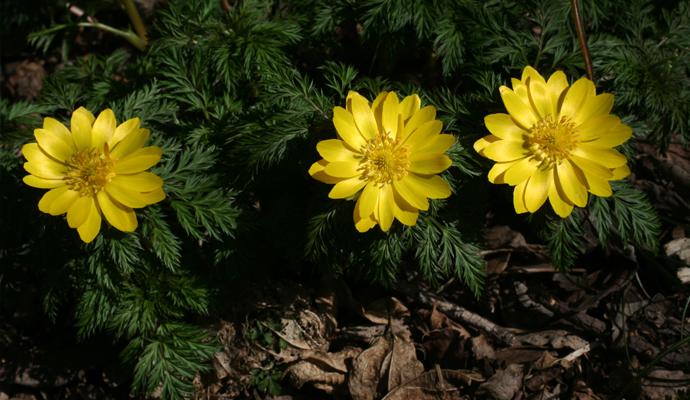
(325, 371)
(504, 384)
(518, 355)
(390, 361)
(482, 349)
(435, 384)
(658, 390)
(326, 303)
(379, 311)
(555, 338)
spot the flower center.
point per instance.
(553, 140)
(89, 171)
(383, 162)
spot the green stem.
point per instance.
(135, 18)
(131, 37)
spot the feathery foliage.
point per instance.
(239, 98)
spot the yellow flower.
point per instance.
(390, 149)
(557, 142)
(96, 169)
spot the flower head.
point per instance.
(556, 142)
(95, 169)
(391, 151)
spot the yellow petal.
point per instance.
(429, 163)
(605, 156)
(130, 144)
(118, 215)
(363, 224)
(58, 129)
(503, 126)
(141, 182)
(580, 93)
(63, 202)
(520, 89)
(410, 193)
(81, 128)
(317, 172)
(591, 168)
(364, 117)
(123, 131)
(506, 150)
(377, 108)
(599, 105)
(90, 228)
(442, 144)
(345, 126)
(409, 106)
(103, 128)
(620, 173)
(521, 171)
(559, 202)
(419, 118)
(343, 169)
(483, 143)
(53, 145)
(49, 198)
(33, 152)
(519, 198)
(386, 207)
(540, 97)
(139, 161)
(347, 188)
(47, 169)
(86, 114)
(337, 150)
(522, 113)
(497, 172)
(570, 184)
(153, 196)
(423, 135)
(404, 211)
(389, 117)
(433, 187)
(368, 200)
(557, 84)
(41, 183)
(77, 214)
(537, 189)
(615, 137)
(597, 127)
(124, 194)
(532, 73)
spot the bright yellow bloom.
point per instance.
(557, 142)
(390, 149)
(96, 169)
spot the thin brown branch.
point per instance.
(579, 26)
(457, 313)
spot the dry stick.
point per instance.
(457, 313)
(580, 28)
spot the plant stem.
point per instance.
(579, 27)
(134, 16)
(131, 37)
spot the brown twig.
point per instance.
(457, 313)
(579, 318)
(580, 28)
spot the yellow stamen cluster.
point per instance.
(553, 140)
(383, 162)
(89, 171)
